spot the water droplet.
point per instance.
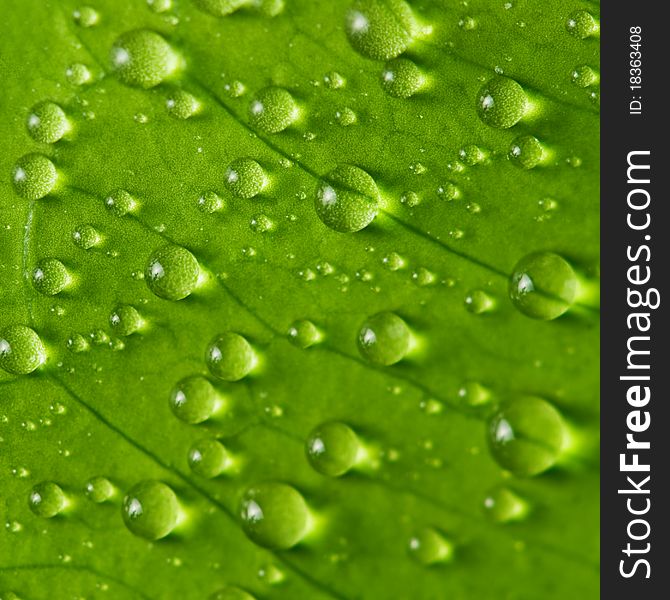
(234, 89)
(478, 302)
(334, 81)
(273, 109)
(346, 117)
(125, 320)
(583, 76)
(86, 16)
(120, 203)
(504, 506)
(182, 105)
(526, 152)
(245, 178)
(159, 6)
(21, 350)
(526, 435)
(50, 276)
(430, 547)
(230, 357)
(47, 123)
(208, 458)
(543, 285)
(194, 400)
(474, 394)
(332, 448)
(471, 155)
(47, 499)
(501, 103)
(261, 223)
(423, 277)
(210, 202)
(380, 29)
(143, 58)
(393, 261)
(172, 272)
(410, 199)
(304, 334)
(401, 78)
(34, 176)
(99, 489)
(467, 23)
(150, 510)
(77, 343)
(384, 339)
(220, 8)
(448, 191)
(78, 74)
(274, 515)
(582, 24)
(231, 593)
(347, 199)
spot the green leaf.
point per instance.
(299, 297)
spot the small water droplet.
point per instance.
(423, 277)
(478, 302)
(47, 123)
(448, 191)
(159, 6)
(501, 103)
(220, 8)
(430, 547)
(50, 276)
(172, 272)
(47, 499)
(346, 116)
(245, 178)
(209, 458)
(582, 24)
(401, 78)
(21, 350)
(181, 104)
(120, 203)
(304, 333)
(230, 357)
(150, 510)
(125, 320)
(502, 505)
(393, 261)
(334, 81)
(410, 199)
(526, 152)
(34, 176)
(273, 109)
(86, 16)
(332, 448)
(474, 394)
(99, 489)
(471, 155)
(384, 339)
(274, 515)
(584, 76)
(194, 400)
(78, 74)
(86, 237)
(77, 343)
(210, 203)
(231, 593)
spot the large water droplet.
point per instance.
(384, 339)
(50, 276)
(99, 489)
(380, 29)
(273, 109)
(401, 78)
(304, 334)
(172, 272)
(86, 16)
(347, 199)
(501, 102)
(332, 448)
(582, 24)
(430, 547)
(208, 458)
(526, 435)
(526, 152)
(194, 399)
(21, 350)
(150, 510)
(143, 58)
(230, 357)
(274, 515)
(543, 285)
(503, 506)
(47, 499)
(125, 320)
(245, 178)
(47, 123)
(34, 176)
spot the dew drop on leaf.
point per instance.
(47, 499)
(429, 547)
(582, 24)
(410, 199)
(526, 435)
(274, 515)
(208, 458)
(526, 152)
(380, 29)
(347, 199)
(220, 8)
(231, 593)
(393, 261)
(543, 285)
(50, 276)
(230, 357)
(125, 320)
(143, 58)
(245, 178)
(172, 272)
(120, 203)
(77, 343)
(478, 302)
(86, 16)
(47, 122)
(501, 103)
(384, 339)
(346, 117)
(210, 202)
(334, 81)
(21, 350)
(159, 6)
(471, 155)
(502, 505)
(303, 334)
(78, 74)
(150, 510)
(332, 448)
(273, 109)
(85, 237)
(583, 76)
(99, 489)
(34, 176)
(194, 399)
(182, 105)
(401, 78)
